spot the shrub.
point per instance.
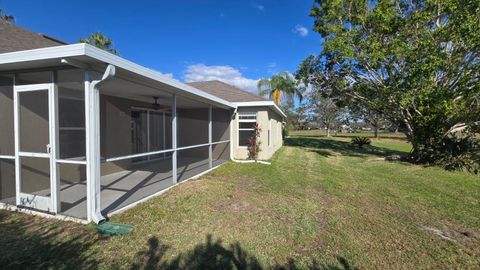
(452, 153)
(361, 141)
(284, 132)
(254, 143)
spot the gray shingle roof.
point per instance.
(226, 91)
(14, 38)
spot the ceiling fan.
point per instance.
(155, 105)
(158, 107)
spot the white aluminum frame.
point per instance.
(210, 148)
(174, 139)
(52, 203)
(138, 155)
(92, 132)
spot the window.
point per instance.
(246, 126)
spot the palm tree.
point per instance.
(99, 40)
(280, 84)
(6, 17)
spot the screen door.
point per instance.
(35, 135)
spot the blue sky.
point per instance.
(235, 41)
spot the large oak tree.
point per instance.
(415, 62)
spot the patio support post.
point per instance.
(54, 144)
(174, 138)
(92, 126)
(16, 127)
(210, 162)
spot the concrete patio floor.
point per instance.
(123, 188)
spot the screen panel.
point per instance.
(73, 190)
(35, 176)
(127, 181)
(34, 77)
(220, 153)
(220, 124)
(191, 162)
(192, 122)
(7, 138)
(34, 121)
(7, 181)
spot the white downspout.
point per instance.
(93, 148)
(231, 133)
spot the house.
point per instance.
(251, 108)
(86, 134)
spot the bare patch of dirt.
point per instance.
(194, 185)
(455, 233)
(237, 199)
(322, 219)
(390, 158)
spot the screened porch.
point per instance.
(148, 138)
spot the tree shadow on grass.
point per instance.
(399, 136)
(325, 147)
(29, 242)
(214, 255)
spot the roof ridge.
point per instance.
(52, 38)
(43, 35)
(233, 86)
(19, 38)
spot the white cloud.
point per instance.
(300, 30)
(272, 68)
(260, 7)
(227, 74)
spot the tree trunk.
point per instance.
(375, 131)
(328, 131)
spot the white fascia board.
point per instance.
(42, 54)
(261, 104)
(82, 49)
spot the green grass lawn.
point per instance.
(322, 204)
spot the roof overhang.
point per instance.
(97, 59)
(270, 104)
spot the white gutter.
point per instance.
(260, 104)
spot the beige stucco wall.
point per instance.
(264, 116)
